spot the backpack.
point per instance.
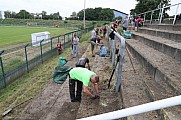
(62, 61)
(103, 51)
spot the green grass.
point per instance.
(12, 35)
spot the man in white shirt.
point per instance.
(75, 46)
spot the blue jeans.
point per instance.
(75, 50)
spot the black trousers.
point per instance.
(78, 94)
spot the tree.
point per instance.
(23, 14)
(74, 14)
(7, 14)
(96, 14)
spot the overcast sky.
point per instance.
(66, 7)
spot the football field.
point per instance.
(13, 35)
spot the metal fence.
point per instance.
(16, 61)
(157, 15)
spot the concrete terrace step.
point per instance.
(164, 27)
(160, 66)
(158, 90)
(171, 35)
(134, 82)
(166, 46)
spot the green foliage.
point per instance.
(97, 14)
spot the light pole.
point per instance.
(84, 13)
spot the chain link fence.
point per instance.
(17, 61)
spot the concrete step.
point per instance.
(166, 46)
(164, 27)
(171, 35)
(133, 89)
(158, 90)
(160, 66)
(165, 77)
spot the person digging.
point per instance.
(83, 77)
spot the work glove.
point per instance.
(94, 97)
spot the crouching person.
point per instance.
(82, 63)
(83, 77)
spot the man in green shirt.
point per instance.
(82, 76)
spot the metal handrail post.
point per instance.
(51, 45)
(122, 49)
(175, 14)
(161, 15)
(144, 18)
(41, 51)
(2, 68)
(151, 17)
(113, 51)
(26, 58)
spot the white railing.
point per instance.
(169, 102)
(121, 52)
(160, 15)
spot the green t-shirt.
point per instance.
(81, 74)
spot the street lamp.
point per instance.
(84, 13)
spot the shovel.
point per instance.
(10, 109)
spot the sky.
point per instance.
(66, 7)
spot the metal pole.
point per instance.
(26, 58)
(151, 17)
(175, 14)
(41, 51)
(161, 15)
(51, 45)
(2, 68)
(84, 13)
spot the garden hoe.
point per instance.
(10, 109)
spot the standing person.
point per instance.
(125, 23)
(93, 33)
(82, 62)
(104, 31)
(82, 76)
(59, 48)
(75, 46)
(94, 42)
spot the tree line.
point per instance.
(90, 13)
(94, 14)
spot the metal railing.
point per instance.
(173, 101)
(160, 12)
(113, 55)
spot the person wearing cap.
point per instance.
(83, 77)
(75, 46)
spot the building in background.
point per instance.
(119, 13)
(2, 15)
